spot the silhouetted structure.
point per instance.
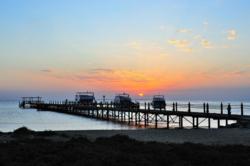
(144, 116)
(124, 101)
(29, 101)
(85, 98)
(159, 102)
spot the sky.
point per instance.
(183, 49)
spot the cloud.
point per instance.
(116, 76)
(225, 46)
(187, 49)
(162, 27)
(97, 70)
(135, 45)
(205, 23)
(184, 31)
(179, 43)
(147, 49)
(183, 45)
(206, 44)
(46, 70)
(197, 37)
(241, 70)
(231, 34)
(205, 26)
(237, 71)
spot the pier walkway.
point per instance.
(145, 116)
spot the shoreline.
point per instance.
(115, 147)
(225, 136)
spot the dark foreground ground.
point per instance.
(37, 149)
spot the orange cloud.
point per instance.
(118, 80)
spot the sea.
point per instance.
(12, 117)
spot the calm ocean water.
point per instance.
(12, 117)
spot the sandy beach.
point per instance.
(201, 136)
(149, 147)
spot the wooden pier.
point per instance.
(145, 116)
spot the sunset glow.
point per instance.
(132, 46)
(141, 94)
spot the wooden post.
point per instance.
(128, 117)
(121, 115)
(124, 114)
(241, 109)
(207, 108)
(145, 120)
(226, 122)
(122, 119)
(107, 112)
(204, 107)
(209, 123)
(193, 122)
(136, 118)
(167, 121)
(102, 110)
(88, 112)
(180, 122)
(139, 118)
(176, 106)
(93, 111)
(156, 121)
(173, 106)
(189, 107)
(221, 108)
(229, 109)
(218, 123)
(197, 122)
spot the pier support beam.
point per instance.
(193, 122)
(241, 109)
(167, 121)
(180, 122)
(197, 122)
(107, 111)
(209, 123)
(128, 117)
(139, 118)
(136, 118)
(156, 121)
(221, 108)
